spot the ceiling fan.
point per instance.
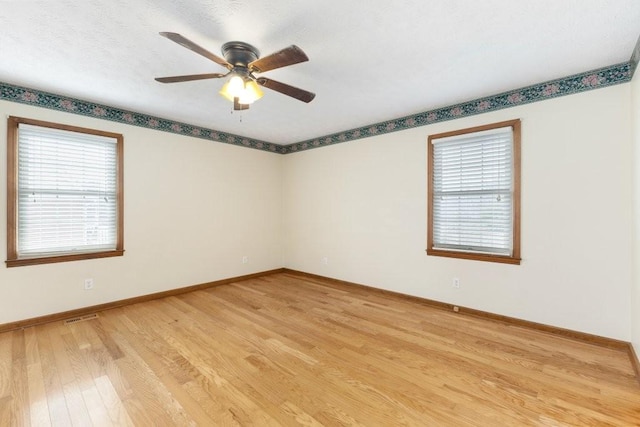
(243, 60)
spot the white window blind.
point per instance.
(473, 192)
(67, 192)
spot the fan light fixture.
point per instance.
(243, 60)
(246, 91)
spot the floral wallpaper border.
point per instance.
(594, 79)
(607, 76)
(52, 101)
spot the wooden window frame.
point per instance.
(515, 257)
(13, 260)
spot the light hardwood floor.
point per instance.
(289, 350)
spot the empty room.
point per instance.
(413, 213)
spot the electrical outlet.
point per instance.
(88, 284)
(325, 260)
(456, 283)
(245, 259)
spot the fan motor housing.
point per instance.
(239, 53)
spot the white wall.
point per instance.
(362, 204)
(635, 122)
(193, 208)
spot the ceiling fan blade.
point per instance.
(176, 79)
(239, 107)
(182, 41)
(294, 92)
(287, 56)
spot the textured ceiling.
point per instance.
(369, 61)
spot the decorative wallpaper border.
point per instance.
(589, 80)
(603, 77)
(52, 101)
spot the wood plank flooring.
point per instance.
(289, 350)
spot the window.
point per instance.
(64, 193)
(474, 193)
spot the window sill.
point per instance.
(475, 257)
(20, 262)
